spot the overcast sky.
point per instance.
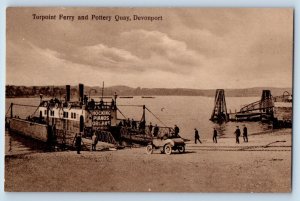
(189, 48)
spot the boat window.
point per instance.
(66, 114)
(51, 113)
(73, 115)
(45, 112)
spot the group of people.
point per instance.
(132, 124)
(78, 142)
(92, 103)
(197, 136)
(155, 130)
(128, 123)
(215, 135)
(238, 134)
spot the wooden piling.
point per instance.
(219, 112)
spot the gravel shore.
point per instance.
(261, 165)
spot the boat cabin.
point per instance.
(77, 116)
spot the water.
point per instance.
(187, 112)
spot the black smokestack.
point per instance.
(68, 93)
(81, 92)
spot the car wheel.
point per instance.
(168, 149)
(181, 149)
(149, 149)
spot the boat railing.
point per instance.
(100, 105)
(90, 105)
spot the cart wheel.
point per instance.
(149, 149)
(181, 149)
(168, 149)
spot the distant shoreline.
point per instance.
(147, 97)
(60, 91)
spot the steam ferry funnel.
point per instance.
(81, 92)
(68, 93)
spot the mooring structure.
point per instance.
(258, 110)
(219, 112)
(262, 109)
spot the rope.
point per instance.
(26, 105)
(35, 111)
(121, 113)
(156, 117)
(7, 110)
(142, 117)
(37, 107)
(131, 105)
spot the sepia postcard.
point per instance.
(148, 99)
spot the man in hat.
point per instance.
(150, 127)
(155, 131)
(245, 134)
(94, 141)
(215, 134)
(237, 135)
(176, 130)
(197, 136)
(78, 142)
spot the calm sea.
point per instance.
(187, 112)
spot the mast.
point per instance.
(144, 113)
(102, 89)
(11, 110)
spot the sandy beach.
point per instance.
(261, 165)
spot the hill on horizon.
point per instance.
(56, 91)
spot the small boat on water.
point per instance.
(126, 97)
(148, 97)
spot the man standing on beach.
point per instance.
(215, 136)
(94, 142)
(197, 136)
(245, 134)
(237, 135)
(78, 143)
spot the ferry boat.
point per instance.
(59, 122)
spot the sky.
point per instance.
(188, 48)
